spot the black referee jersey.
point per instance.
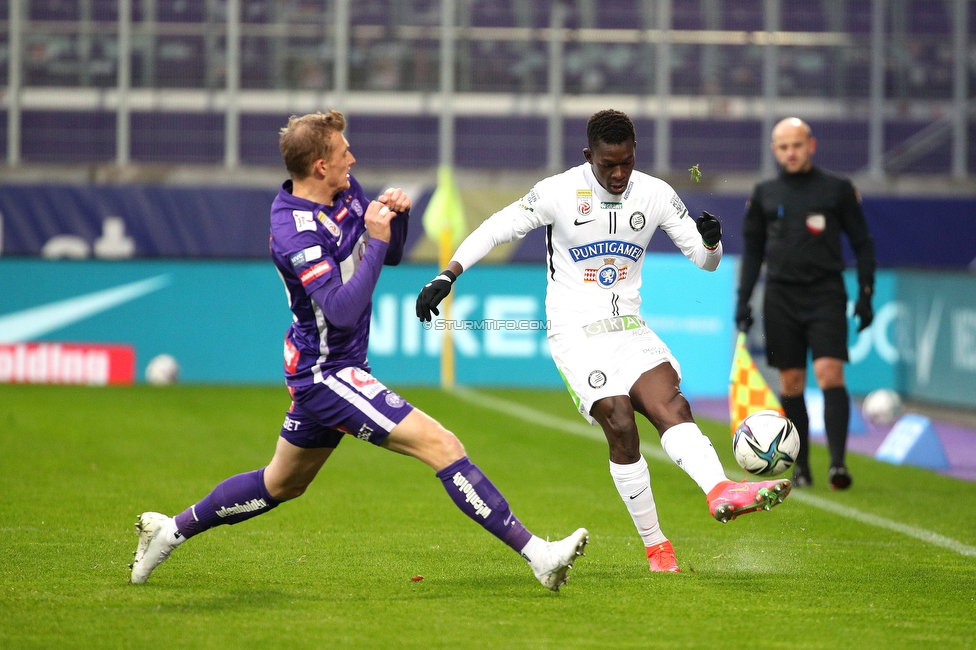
(795, 221)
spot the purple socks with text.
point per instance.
(232, 501)
(475, 495)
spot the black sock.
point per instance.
(837, 415)
(796, 411)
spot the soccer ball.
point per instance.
(766, 443)
(882, 406)
(162, 370)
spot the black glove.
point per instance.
(743, 317)
(863, 309)
(432, 294)
(710, 228)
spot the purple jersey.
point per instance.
(312, 245)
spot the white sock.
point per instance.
(172, 534)
(534, 550)
(634, 485)
(692, 451)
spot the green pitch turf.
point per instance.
(889, 564)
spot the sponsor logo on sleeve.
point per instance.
(584, 201)
(816, 223)
(303, 257)
(630, 186)
(304, 220)
(525, 203)
(679, 206)
(329, 224)
(316, 271)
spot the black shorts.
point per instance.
(799, 318)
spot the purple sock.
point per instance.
(232, 501)
(475, 495)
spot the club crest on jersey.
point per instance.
(357, 207)
(303, 220)
(637, 221)
(816, 223)
(607, 275)
(584, 201)
(597, 379)
(329, 224)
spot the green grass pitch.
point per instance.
(889, 564)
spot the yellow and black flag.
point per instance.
(748, 391)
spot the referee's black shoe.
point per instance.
(801, 477)
(839, 478)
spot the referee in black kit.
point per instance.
(794, 222)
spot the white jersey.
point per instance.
(595, 241)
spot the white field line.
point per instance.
(548, 421)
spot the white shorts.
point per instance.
(606, 358)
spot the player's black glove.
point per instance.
(432, 294)
(710, 228)
(863, 309)
(743, 317)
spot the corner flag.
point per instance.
(445, 212)
(444, 223)
(748, 391)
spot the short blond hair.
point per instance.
(307, 138)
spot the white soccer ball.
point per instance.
(882, 406)
(162, 370)
(766, 443)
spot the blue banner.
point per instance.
(222, 321)
(225, 322)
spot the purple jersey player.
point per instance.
(329, 244)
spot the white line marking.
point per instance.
(541, 418)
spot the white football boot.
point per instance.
(157, 539)
(551, 563)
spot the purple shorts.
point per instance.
(350, 401)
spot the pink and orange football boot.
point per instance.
(729, 499)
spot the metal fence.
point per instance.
(180, 81)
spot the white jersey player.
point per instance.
(599, 218)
